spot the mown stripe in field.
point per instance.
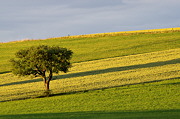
(95, 72)
(84, 91)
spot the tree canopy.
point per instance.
(42, 61)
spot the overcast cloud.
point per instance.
(39, 19)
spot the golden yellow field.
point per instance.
(150, 31)
(97, 74)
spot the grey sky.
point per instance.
(39, 19)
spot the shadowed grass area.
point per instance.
(155, 114)
(4, 72)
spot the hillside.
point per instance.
(109, 45)
(98, 74)
(158, 100)
(132, 76)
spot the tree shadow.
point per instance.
(95, 72)
(117, 69)
(5, 72)
(22, 82)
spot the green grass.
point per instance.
(150, 100)
(157, 114)
(159, 99)
(86, 49)
(129, 76)
(98, 74)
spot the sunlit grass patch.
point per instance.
(93, 48)
(98, 74)
(155, 96)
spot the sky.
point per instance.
(41, 19)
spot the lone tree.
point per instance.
(42, 61)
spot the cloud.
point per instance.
(36, 19)
(91, 4)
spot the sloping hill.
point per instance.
(113, 76)
(98, 47)
(157, 100)
(98, 74)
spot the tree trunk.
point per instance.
(47, 91)
(47, 81)
(47, 85)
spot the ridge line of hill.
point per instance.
(149, 31)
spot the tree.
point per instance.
(42, 61)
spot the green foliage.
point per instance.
(35, 60)
(38, 60)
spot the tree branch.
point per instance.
(39, 71)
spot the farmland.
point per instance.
(150, 100)
(98, 74)
(120, 76)
(106, 46)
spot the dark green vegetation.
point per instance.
(98, 47)
(157, 114)
(40, 60)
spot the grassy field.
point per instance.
(109, 46)
(164, 114)
(150, 31)
(157, 100)
(98, 74)
(129, 76)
